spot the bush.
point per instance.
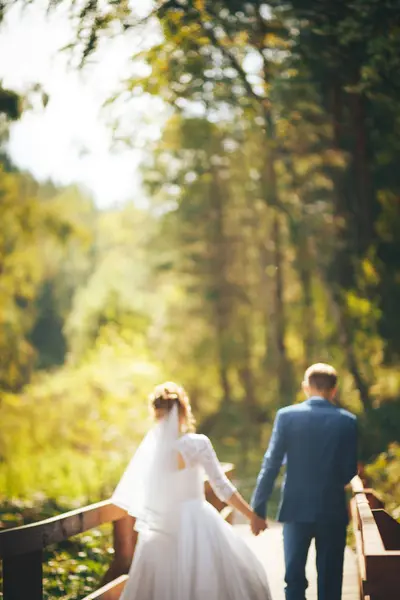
(384, 475)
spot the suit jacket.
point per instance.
(318, 443)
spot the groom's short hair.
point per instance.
(321, 377)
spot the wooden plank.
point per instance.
(360, 558)
(36, 536)
(357, 485)
(22, 577)
(389, 529)
(373, 499)
(383, 576)
(359, 548)
(371, 539)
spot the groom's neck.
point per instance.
(326, 394)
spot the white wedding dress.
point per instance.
(191, 553)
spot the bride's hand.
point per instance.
(258, 524)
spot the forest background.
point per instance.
(269, 240)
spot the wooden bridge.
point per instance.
(372, 570)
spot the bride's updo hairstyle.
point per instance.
(167, 394)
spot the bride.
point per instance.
(185, 551)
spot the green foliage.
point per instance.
(30, 230)
(70, 432)
(379, 426)
(384, 475)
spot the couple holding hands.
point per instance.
(186, 551)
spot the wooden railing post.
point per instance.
(22, 576)
(124, 538)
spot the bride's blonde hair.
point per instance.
(165, 395)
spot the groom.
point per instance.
(319, 441)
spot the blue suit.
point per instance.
(318, 443)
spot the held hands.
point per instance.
(258, 524)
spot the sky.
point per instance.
(70, 141)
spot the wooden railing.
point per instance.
(21, 548)
(377, 545)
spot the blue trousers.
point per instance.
(330, 543)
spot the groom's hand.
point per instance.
(258, 524)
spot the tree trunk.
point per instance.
(271, 195)
(346, 340)
(300, 238)
(267, 291)
(219, 285)
(362, 175)
(284, 367)
(305, 276)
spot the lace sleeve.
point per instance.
(221, 485)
